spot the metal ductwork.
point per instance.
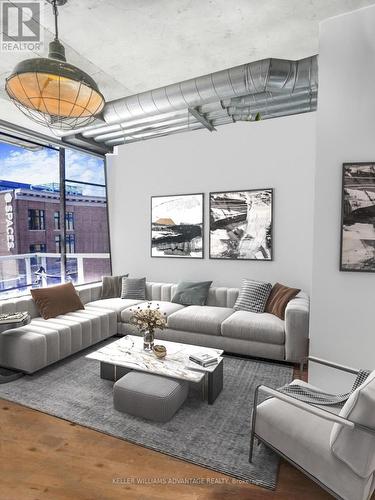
(263, 89)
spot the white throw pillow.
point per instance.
(355, 447)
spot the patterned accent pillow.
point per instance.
(278, 300)
(133, 288)
(253, 296)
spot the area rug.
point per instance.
(213, 436)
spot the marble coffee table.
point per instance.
(121, 356)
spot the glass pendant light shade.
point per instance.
(53, 92)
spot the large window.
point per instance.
(31, 212)
(36, 219)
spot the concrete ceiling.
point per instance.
(129, 46)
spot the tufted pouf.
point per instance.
(149, 396)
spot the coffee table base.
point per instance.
(212, 381)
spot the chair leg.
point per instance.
(252, 437)
(253, 420)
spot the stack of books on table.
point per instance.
(204, 359)
(18, 317)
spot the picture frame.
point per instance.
(177, 226)
(357, 229)
(231, 236)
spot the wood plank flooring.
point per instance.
(46, 458)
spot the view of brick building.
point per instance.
(30, 223)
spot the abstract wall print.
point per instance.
(358, 217)
(177, 226)
(241, 225)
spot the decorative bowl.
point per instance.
(160, 351)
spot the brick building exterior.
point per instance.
(30, 223)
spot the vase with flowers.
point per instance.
(147, 320)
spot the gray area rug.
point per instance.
(214, 436)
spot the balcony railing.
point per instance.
(19, 273)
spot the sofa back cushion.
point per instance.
(19, 304)
(355, 447)
(217, 296)
(55, 300)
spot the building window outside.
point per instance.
(36, 219)
(58, 243)
(38, 248)
(69, 221)
(70, 243)
(56, 221)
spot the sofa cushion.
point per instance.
(56, 300)
(117, 305)
(166, 308)
(201, 319)
(111, 286)
(190, 293)
(353, 446)
(304, 438)
(260, 327)
(253, 296)
(278, 300)
(133, 288)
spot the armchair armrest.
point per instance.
(297, 328)
(314, 410)
(324, 362)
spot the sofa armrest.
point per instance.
(297, 328)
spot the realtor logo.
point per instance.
(21, 26)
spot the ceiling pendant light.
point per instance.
(51, 91)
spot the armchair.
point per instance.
(334, 447)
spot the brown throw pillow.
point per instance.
(56, 300)
(279, 297)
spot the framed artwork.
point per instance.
(177, 226)
(358, 218)
(241, 224)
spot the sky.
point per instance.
(42, 166)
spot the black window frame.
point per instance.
(36, 219)
(59, 146)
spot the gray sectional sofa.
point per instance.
(217, 324)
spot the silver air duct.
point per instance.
(262, 89)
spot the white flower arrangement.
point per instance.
(149, 319)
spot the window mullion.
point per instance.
(62, 212)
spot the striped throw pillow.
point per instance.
(133, 288)
(253, 296)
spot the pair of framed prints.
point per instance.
(240, 225)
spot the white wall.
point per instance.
(343, 304)
(277, 153)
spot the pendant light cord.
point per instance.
(55, 13)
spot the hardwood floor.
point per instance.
(43, 457)
(47, 458)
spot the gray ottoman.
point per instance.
(149, 396)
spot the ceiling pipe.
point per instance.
(132, 123)
(252, 78)
(130, 131)
(272, 87)
(138, 137)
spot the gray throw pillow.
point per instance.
(111, 286)
(192, 293)
(253, 296)
(133, 288)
